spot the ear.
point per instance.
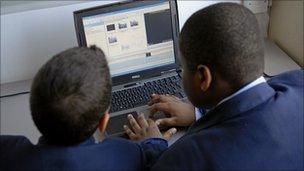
(103, 122)
(205, 77)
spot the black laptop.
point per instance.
(140, 41)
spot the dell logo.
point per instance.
(135, 76)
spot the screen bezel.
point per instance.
(143, 74)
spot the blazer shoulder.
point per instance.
(123, 146)
(188, 153)
(121, 142)
(295, 78)
(12, 144)
(10, 140)
(126, 151)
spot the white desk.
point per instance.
(15, 112)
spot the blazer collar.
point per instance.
(234, 107)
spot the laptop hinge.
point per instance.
(167, 72)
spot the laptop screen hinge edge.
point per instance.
(168, 71)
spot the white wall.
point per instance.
(30, 38)
(187, 8)
(20, 6)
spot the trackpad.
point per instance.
(116, 123)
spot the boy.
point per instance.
(241, 122)
(70, 97)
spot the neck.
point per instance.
(222, 91)
(226, 90)
(222, 95)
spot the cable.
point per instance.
(16, 94)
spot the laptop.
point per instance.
(140, 41)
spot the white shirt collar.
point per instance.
(252, 84)
(260, 80)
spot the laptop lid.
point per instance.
(139, 38)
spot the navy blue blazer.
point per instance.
(18, 153)
(259, 129)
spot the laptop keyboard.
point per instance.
(141, 95)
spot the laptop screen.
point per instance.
(133, 39)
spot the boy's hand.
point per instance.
(182, 114)
(144, 129)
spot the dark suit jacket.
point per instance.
(259, 129)
(18, 153)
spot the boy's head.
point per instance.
(222, 50)
(70, 94)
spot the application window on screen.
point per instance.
(134, 39)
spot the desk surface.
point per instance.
(15, 112)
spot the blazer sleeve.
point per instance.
(152, 149)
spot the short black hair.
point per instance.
(226, 38)
(69, 95)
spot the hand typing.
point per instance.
(144, 129)
(182, 114)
